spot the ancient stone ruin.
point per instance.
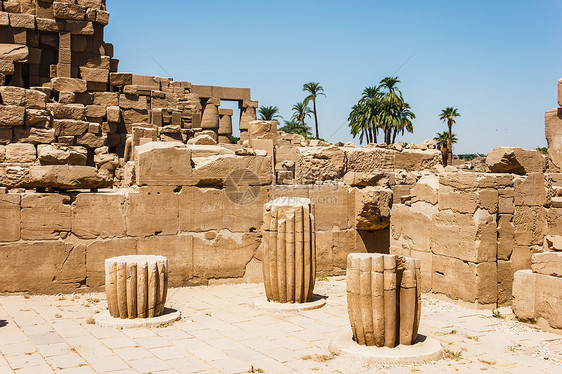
(97, 163)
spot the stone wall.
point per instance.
(472, 231)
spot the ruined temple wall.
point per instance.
(473, 231)
(57, 242)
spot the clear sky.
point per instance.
(498, 61)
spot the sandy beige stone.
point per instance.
(45, 216)
(10, 219)
(98, 215)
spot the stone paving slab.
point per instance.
(221, 332)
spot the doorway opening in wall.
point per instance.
(235, 116)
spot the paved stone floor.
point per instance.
(222, 332)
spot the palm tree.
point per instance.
(301, 111)
(442, 139)
(268, 113)
(405, 116)
(314, 89)
(296, 127)
(364, 116)
(448, 115)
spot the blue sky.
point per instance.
(497, 61)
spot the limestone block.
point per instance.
(553, 243)
(553, 133)
(37, 117)
(554, 225)
(515, 160)
(162, 164)
(548, 301)
(113, 114)
(178, 249)
(96, 253)
(263, 130)
(334, 207)
(457, 201)
(67, 111)
(70, 85)
(120, 79)
(153, 211)
(383, 299)
(94, 75)
(12, 95)
(531, 191)
(106, 98)
(524, 292)
(67, 177)
(319, 163)
(464, 236)
(9, 217)
(248, 115)
(225, 122)
(57, 154)
(289, 264)
(506, 232)
(44, 216)
(20, 153)
(133, 102)
(98, 215)
(57, 267)
(22, 21)
(35, 99)
(218, 211)
(14, 52)
(530, 225)
(202, 140)
(96, 111)
(372, 208)
(67, 127)
(223, 255)
(467, 281)
(69, 11)
(12, 115)
(7, 67)
(547, 263)
(369, 159)
(136, 286)
(505, 282)
(217, 170)
(415, 159)
(405, 230)
(91, 140)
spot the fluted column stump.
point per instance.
(289, 263)
(136, 288)
(384, 307)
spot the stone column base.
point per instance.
(315, 303)
(424, 350)
(167, 317)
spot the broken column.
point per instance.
(289, 264)
(210, 119)
(247, 115)
(225, 125)
(383, 298)
(136, 286)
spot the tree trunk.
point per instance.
(315, 118)
(394, 136)
(374, 135)
(450, 141)
(372, 139)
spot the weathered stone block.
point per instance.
(11, 95)
(56, 154)
(45, 216)
(515, 160)
(9, 217)
(178, 249)
(57, 267)
(405, 230)
(162, 164)
(153, 211)
(70, 85)
(67, 127)
(464, 280)
(524, 292)
(12, 115)
(530, 225)
(217, 211)
(67, 177)
(120, 79)
(67, 111)
(547, 263)
(94, 75)
(372, 208)
(69, 11)
(553, 133)
(98, 215)
(505, 282)
(369, 159)
(223, 254)
(106, 98)
(415, 159)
